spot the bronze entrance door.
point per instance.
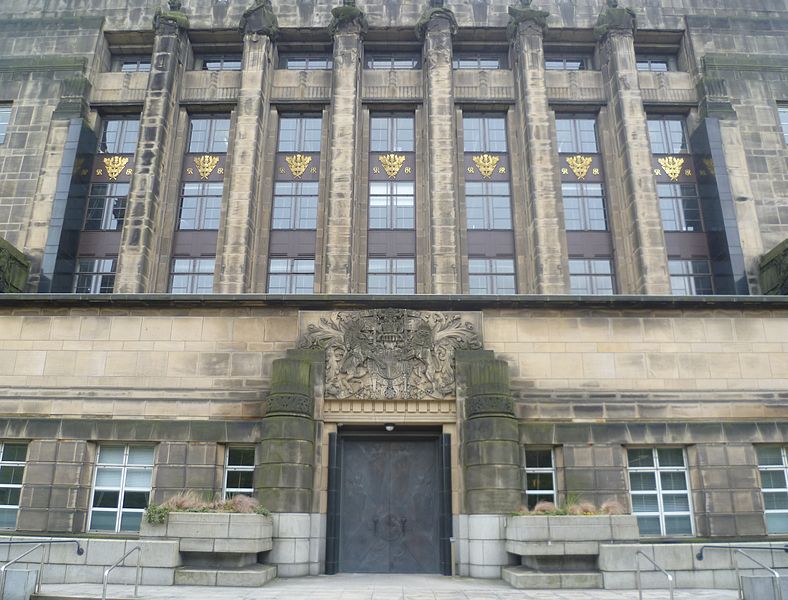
(389, 505)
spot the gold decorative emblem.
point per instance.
(114, 165)
(709, 165)
(392, 163)
(672, 166)
(579, 165)
(298, 164)
(486, 164)
(206, 164)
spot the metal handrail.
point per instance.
(664, 572)
(738, 550)
(117, 563)
(80, 552)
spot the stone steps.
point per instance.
(250, 576)
(524, 578)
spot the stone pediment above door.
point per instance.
(392, 353)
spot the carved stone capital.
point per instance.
(491, 404)
(526, 20)
(615, 20)
(348, 18)
(168, 22)
(289, 404)
(487, 388)
(261, 19)
(435, 17)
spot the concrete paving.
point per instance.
(374, 587)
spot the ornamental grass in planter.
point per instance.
(576, 528)
(233, 531)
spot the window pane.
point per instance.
(130, 521)
(11, 475)
(111, 455)
(773, 479)
(640, 457)
(775, 500)
(675, 502)
(642, 481)
(539, 481)
(103, 520)
(106, 477)
(8, 518)
(769, 455)
(678, 525)
(777, 522)
(673, 480)
(539, 459)
(14, 452)
(138, 478)
(240, 479)
(106, 498)
(135, 499)
(670, 457)
(645, 503)
(648, 525)
(140, 455)
(241, 457)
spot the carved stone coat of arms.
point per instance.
(391, 353)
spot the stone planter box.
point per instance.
(568, 535)
(224, 533)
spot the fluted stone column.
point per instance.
(544, 239)
(491, 451)
(240, 227)
(348, 26)
(437, 27)
(640, 240)
(141, 230)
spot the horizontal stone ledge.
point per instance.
(356, 301)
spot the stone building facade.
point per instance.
(395, 268)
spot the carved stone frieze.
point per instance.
(390, 353)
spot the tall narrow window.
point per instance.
(12, 471)
(488, 204)
(200, 207)
(773, 468)
(5, 118)
(680, 207)
(588, 236)
(239, 471)
(108, 180)
(121, 487)
(391, 235)
(539, 476)
(659, 489)
(291, 266)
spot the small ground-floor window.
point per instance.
(539, 476)
(239, 471)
